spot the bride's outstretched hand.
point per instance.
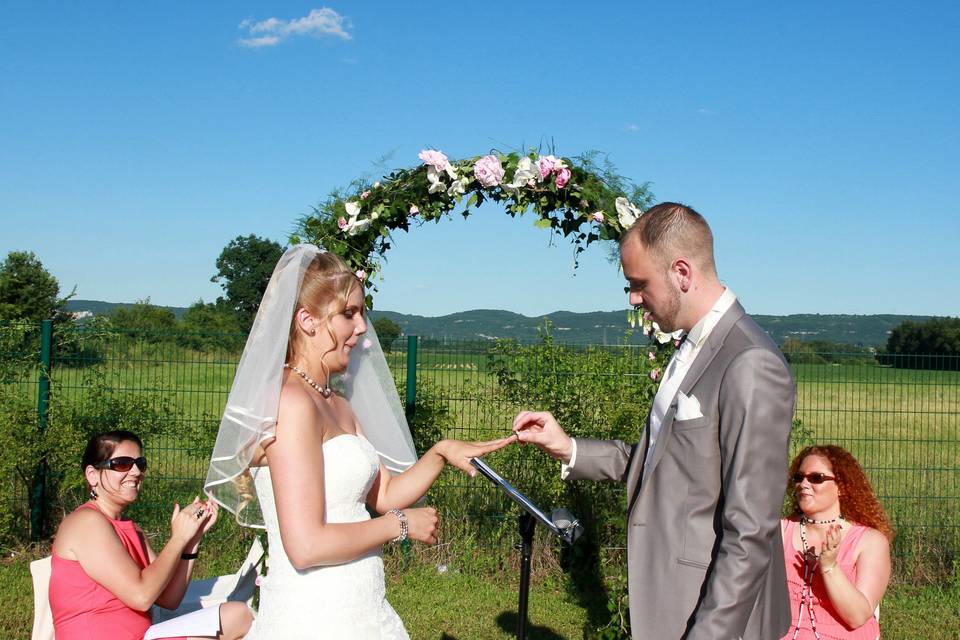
(459, 453)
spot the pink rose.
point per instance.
(258, 580)
(655, 374)
(597, 216)
(651, 355)
(676, 343)
(435, 159)
(563, 177)
(546, 165)
(342, 223)
(364, 195)
(489, 171)
(414, 209)
(647, 316)
(361, 275)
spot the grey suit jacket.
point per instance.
(705, 558)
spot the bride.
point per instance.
(317, 456)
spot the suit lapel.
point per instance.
(697, 368)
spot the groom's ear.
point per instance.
(682, 271)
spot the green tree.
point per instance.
(210, 325)
(27, 290)
(934, 344)
(243, 271)
(145, 320)
(387, 332)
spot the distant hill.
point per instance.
(101, 308)
(605, 327)
(597, 327)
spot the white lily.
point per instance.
(664, 338)
(627, 212)
(526, 171)
(433, 177)
(457, 188)
(357, 226)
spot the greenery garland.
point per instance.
(579, 197)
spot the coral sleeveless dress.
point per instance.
(84, 610)
(829, 624)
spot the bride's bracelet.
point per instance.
(404, 527)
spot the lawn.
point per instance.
(443, 602)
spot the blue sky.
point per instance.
(819, 139)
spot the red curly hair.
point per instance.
(858, 502)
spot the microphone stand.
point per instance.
(561, 522)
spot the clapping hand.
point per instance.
(830, 547)
(190, 523)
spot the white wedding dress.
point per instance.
(330, 602)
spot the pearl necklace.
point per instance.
(325, 390)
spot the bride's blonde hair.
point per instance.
(326, 287)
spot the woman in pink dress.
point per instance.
(104, 576)
(836, 547)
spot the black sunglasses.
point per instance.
(814, 478)
(123, 463)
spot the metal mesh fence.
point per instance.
(901, 423)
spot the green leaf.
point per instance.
(543, 223)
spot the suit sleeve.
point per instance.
(601, 460)
(757, 397)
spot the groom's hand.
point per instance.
(541, 428)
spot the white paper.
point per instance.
(203, 622)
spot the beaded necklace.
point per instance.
(324, 390)
(810, 563)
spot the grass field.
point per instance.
(447, 602)
(903, 425)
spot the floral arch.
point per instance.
(578, 198)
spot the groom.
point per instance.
(705, 484)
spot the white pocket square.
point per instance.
(688, 407)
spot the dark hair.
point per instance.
(668, 229)
(101, 446)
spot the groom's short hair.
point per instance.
(669, 230)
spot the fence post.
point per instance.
(411, 406)
(38, 497)
(411, 403)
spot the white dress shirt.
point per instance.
(676, 370)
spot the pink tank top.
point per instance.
(829, 624)
(84, 610)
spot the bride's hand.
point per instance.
(459, 453)
(422, 524)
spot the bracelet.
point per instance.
(190, 556)
(824, 571)
(404, 527)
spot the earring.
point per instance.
(93, 493)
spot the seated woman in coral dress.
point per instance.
(836, 547)
(104, 576)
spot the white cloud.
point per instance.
(319, 23)
(632, 127)
(704, 111)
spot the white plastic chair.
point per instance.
(201, 593)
